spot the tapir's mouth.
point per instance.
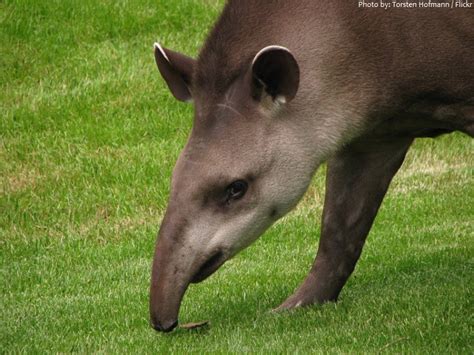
(209, 267)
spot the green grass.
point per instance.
(89, 135)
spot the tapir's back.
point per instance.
(408, 48)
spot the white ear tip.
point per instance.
(156, 46)
(281, 99)
(269, 48)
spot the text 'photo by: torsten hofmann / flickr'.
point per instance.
(416, 4)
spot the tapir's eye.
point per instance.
(236, 190)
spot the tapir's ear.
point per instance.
(177, 70)
(276, 73)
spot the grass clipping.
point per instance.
(194, 325)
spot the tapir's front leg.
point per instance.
(357, 180)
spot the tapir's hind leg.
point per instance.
(357, 180)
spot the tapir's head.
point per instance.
(243, 167)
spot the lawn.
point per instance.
(89, 136)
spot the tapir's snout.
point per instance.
(169, 279)
(177, 263)
(167, 327)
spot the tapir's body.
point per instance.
(279, 88)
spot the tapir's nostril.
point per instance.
(167, 327)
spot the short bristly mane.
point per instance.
(237, 36)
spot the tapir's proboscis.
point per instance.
(281, 87)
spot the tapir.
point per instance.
(281, 87)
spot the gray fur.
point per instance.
(356, 88)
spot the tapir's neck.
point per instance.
(353, 64)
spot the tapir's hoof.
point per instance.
(290, 304)
(299, 300)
